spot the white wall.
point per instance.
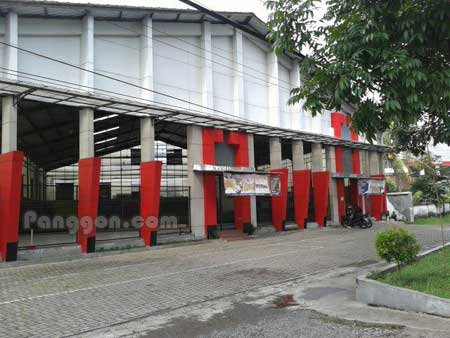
(59, 39)
(222, 57)
(255, 82)
(284, 85)
(177, 65)
(177, 70)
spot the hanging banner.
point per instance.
(371, 187)
(251, 184)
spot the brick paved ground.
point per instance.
(67, 298)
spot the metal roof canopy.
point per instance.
(139, 108)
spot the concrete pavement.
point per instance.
(213, 289)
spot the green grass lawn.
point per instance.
(430, 274)
(433, 220)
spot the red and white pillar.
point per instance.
(11, 162)
(150, 184)
(88, 183)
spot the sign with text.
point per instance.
(371, 187)
(251, 184)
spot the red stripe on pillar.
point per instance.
(356, 163)
(150, 199)
(302, 184)
(321, 183)
(242, 210)
(279, 203)
(209, 139)
(378, 202)
(88, 191)
(10, 193)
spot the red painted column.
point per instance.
(279, 203)
(10, 193)
(150, 200)
(321, 183)
(378, 202)
(242, 209)
(302, 185)
(88, 193)
(209, 138)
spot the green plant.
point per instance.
(397, 245)
(391, 185)
(418, 198)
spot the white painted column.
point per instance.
(195, 181)
(87, 133)
(316, 157)
(296, 109)
(275, 153)
(381, 163)
(147, 84)
(11, 37)
(207, 70)
(274, 118)
(87, 52)
(251, 163)
(374, 165)
(238, 75)
(9, 124)
(147, 139)
(298, 157)
(147, 59)
(330, 156)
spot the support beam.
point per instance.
(9, 124)
(147, 139)
(88, 181)
(331, 168)
(147, 76)
(316, 157)
(207, 69)
(298, 159)
(238, 75)
(374, 165)
(87, 53)
(251, 163)
(11, 53)
(275, 153)
(274, 118)
(195, 181)
(86, 133)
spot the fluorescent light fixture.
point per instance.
(106, 130)
(106, 117)
(107, 140)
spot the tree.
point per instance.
(390, 60)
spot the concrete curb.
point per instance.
(372, 292)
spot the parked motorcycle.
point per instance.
(354, 217)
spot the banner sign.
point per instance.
(371, 187)
(251, 184)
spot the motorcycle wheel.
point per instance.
(369, 222)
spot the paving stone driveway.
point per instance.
(67, 298)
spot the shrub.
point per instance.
(418, 198)
(397, 245)
(391, 185)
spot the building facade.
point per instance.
(115, 105)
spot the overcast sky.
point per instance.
(255, 6)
